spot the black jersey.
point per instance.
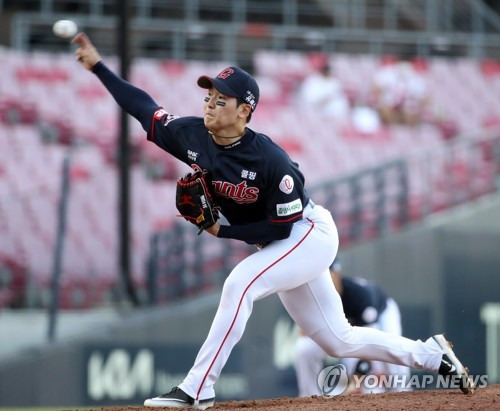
(259, 189)
(363, 301)
(253, 179)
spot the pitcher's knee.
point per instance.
(337, 349)
(340, 346)
(306, 347)
(233, 292)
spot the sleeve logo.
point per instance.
(169, 118)
(160, 113)
(293, 207)
(286, 184)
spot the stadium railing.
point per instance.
(232, 31)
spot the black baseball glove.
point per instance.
(194, 200)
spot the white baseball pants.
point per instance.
(297, 270)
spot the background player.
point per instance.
(261, 193)
(365, 304)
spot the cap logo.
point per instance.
(224, 74)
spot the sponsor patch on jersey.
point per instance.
(293, 207)
(286, 184)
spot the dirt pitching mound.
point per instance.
(487, 399)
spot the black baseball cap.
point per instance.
(233, 82)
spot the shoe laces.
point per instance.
(446, 367)
(172, 391)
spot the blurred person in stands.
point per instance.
(400, 93)
(365, 305)
(322, 92)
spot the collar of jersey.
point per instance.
(243, 141)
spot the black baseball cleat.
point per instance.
(452, 367)
(177, 398)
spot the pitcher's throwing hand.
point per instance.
(86, 53)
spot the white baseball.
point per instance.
(64, 28)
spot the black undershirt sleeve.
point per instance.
(260, 232)
(133, 100)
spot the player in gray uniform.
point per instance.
(261, 193)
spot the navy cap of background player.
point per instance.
(234, 82)
(336, 266)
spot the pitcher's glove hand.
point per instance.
(195, 201)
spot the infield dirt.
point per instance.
(487, 399)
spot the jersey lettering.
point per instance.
(240, 193)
